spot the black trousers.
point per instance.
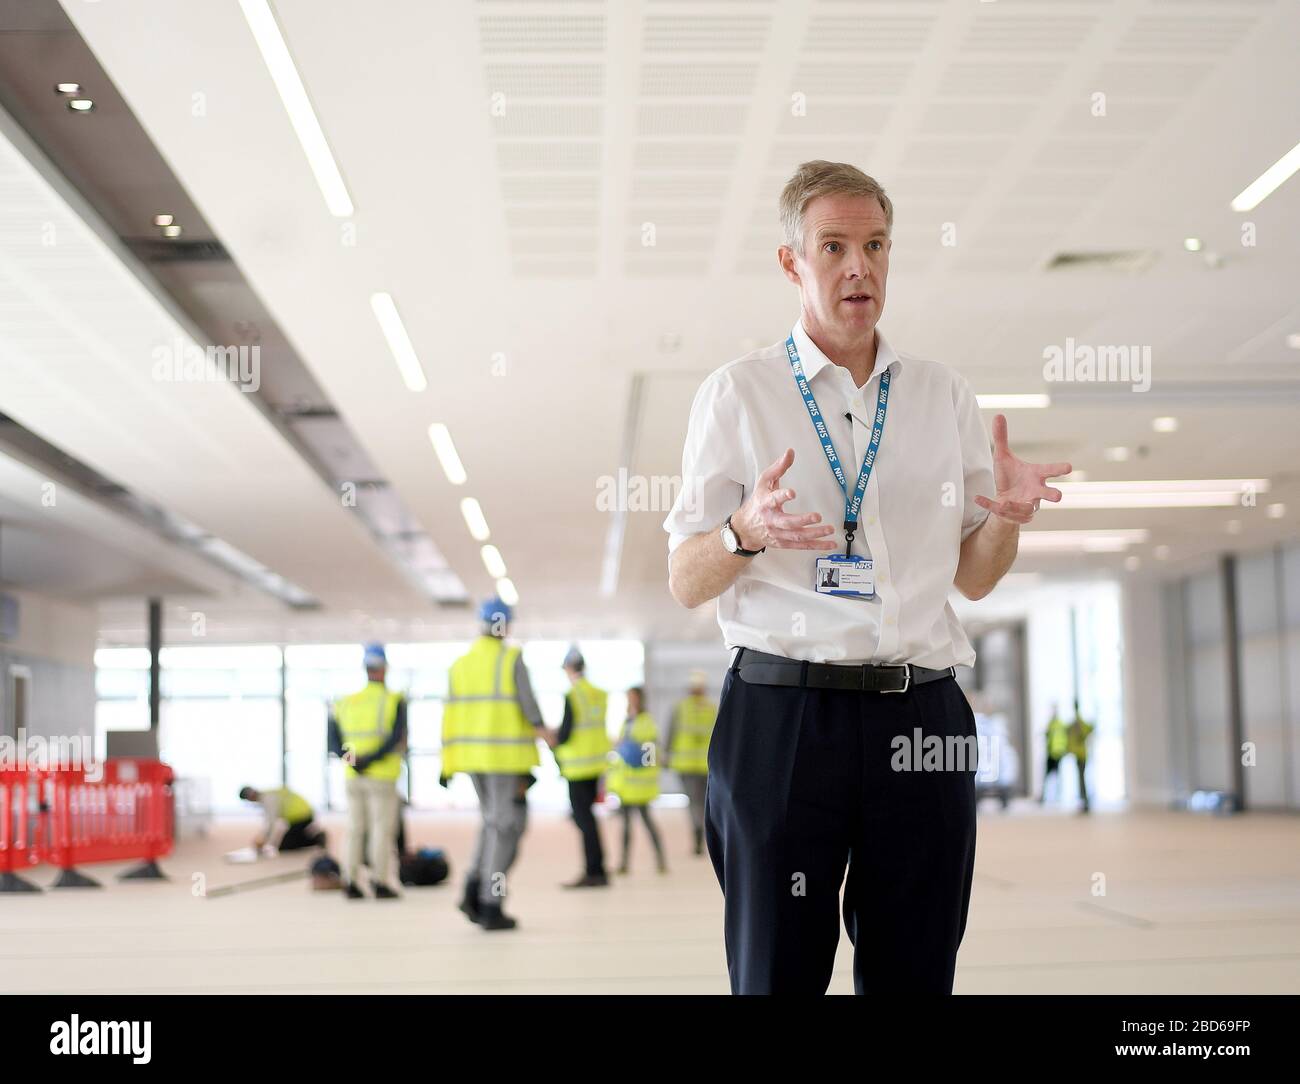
(801, 786)
(642, 811)
(582, 796)
(301, 835)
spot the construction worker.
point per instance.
(283, 805)
(688, 749)
(368, 730)
(1057, 745)
(1077, 746)
(490, 729)
(634, 774)
(581, 750)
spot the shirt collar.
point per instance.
(814, 361)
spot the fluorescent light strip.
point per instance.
(506, 591)
(446, 451)
(1169, 485)
(475, 520)
(1170, 493)
(1013, 402)
(1107, 541)
(1217, 499)
(493, 562)
(399, 342)
(1269, 181)
(293, 94)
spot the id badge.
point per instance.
(848, 577)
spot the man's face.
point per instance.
(842, 270)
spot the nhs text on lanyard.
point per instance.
(842, 573)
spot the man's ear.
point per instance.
(785, 255)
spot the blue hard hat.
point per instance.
(493, 609)
(375, 656)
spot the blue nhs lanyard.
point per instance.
(852, 504)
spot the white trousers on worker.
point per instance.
(372, 814)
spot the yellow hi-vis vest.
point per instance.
(1077, 737)
(294, 808)
(691, 733)
(583, 755)
(365, 719)
(1057, 738)
(483, 726)
(636, 784)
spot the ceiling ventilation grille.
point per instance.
(697, 33)
(886, 35)
(542, 34)
(153, 251)
(1035, 34)
(1128, 262)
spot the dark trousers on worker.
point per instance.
(643, 811)
(802, 784)
(582, 796)
(301, 835)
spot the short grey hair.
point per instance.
(819, 178)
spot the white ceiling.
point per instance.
(57, 541)
(520, 235)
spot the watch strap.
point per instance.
(739, 551)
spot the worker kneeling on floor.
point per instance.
(282, 805)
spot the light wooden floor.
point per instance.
(1192, 904)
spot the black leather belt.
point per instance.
(760, 668)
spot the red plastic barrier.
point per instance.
(21, 842)
(61, 817)
(127, 813)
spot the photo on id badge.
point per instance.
(846, 576)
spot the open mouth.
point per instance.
(857, 299)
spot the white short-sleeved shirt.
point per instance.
(934, 458)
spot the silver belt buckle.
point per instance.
(907, 676)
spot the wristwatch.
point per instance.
(732, 544)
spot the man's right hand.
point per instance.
(763, 522)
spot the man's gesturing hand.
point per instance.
(1020, 485)
(763, 522)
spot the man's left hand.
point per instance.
(1020, 485)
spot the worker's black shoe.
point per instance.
(588, 880)
(699, 842)
(383, 892)
(469, 905)
(352, 892)
(493, 918)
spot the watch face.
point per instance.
(729, 540)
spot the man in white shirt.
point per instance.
(834, 453)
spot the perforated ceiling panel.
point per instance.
(645, 123)
(691, 115)
(547, 121)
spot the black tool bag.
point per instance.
(427, 866)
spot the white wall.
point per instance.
(1147, 701)
(56, 643)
